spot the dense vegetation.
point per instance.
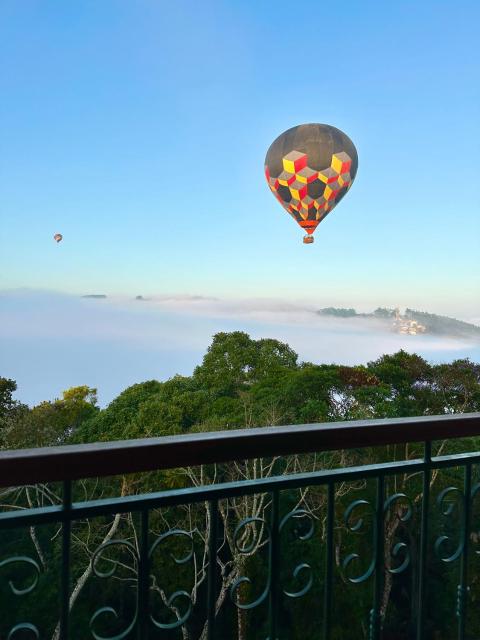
(434, 324)
(241, 383)
(443, 325)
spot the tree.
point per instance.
(234, 361)
(11, 410)
(409, 378)
(382, 312)
(50, 423)
(7, 389)
(113, 423)
(458, 386)
(245, 383)
(339, 313)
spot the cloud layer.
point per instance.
(52, 341)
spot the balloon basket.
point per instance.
(308, 239)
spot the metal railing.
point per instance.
(402, 540)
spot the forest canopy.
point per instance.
(243, 382)
(240, 383)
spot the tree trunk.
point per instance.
(228, 580)
(388, 577)
(88, 571)
(241, 618)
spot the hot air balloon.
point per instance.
(309, 169)
(58, 237)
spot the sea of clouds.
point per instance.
(51, 341)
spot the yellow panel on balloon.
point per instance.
(328, 175)
(294, 161)
(306, 175)
(344, 179)
(331, 191)
(298, 190)
(319, 203)
(341, 162)
(308, 202)
(286, 178)
(295, 204)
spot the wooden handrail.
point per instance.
(71, 462)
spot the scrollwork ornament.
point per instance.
(24, 626)
(303, 567)
(475, 491)
(174, 599)
(355, 526)
(257, 525)
(447, 508)
(19, 591)
(110, 611)
(400, 548)
(23, 559)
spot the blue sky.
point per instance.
(139, 129)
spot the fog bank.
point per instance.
(49, 341)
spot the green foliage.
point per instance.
(7, 403)
(234, 361)
(383, 312)
(240, 383)
(51, 423)
(443, 324)
(457, 386)
(435, 324)
(114, 422)
(338, 312)
(11, 411)
(243, 383)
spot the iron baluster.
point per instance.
(274, 567)
(443, 543)
(65, 575)
(143, 578)
(375, 621)
(462, 591)
(327, 606)
(212, 568)
(422, 569)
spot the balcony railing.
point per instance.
(255, 522)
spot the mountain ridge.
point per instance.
(434, 324)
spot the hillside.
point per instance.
(443, 325)
(434, 324)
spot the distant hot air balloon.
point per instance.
(58, 237)
(309, 169)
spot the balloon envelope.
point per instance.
(309, 169)
(57, 237)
